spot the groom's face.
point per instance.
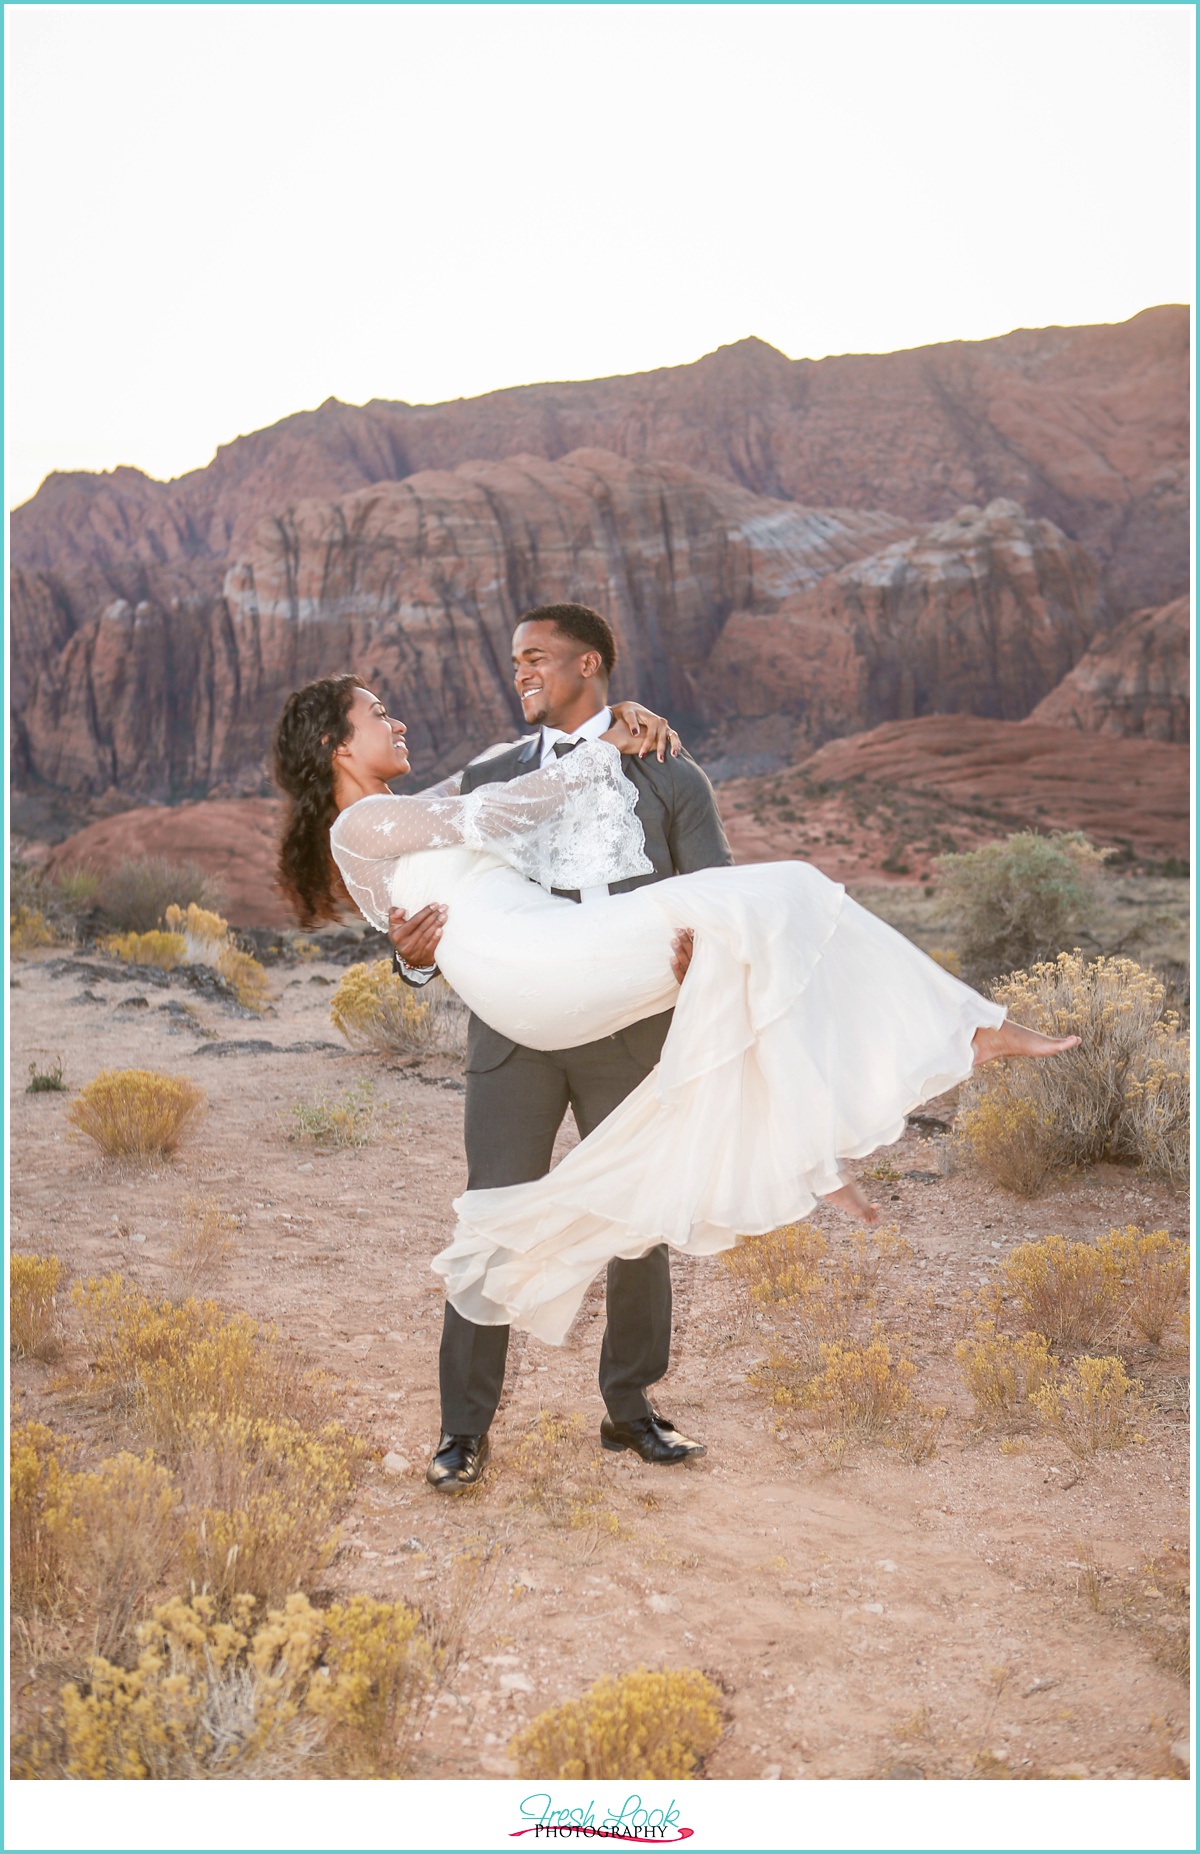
(559, 680)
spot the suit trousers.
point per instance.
(513, 1113)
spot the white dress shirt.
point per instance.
(593, 727)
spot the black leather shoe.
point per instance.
(655, 1438)
(458, 1463)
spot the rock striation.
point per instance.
(1086, 427)
(1135, 681)
(417, 585)
(980, 615)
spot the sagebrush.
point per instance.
(1020, 900)
(136, 892)
(636, 1727)
(1122, 1095)
(33, 1319)
(374, 1009)
(135, 1113)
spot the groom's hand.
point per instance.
(416, 940)
(681, 953)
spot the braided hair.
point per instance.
(314, 723)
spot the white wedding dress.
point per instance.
(805, 1032)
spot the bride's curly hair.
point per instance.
(314, 723)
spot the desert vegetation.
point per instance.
(135, 1113)
(375, 1010)
(640, 1725)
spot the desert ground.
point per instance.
(997, 1610)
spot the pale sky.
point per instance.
(218, 215)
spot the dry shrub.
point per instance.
(28, 929)
(1123, 1094)
(560, 1469)
(1017, 901)
(780, 1266)
(36, 1474)
(198, 1258)
(135, 1113)
(1095, 1407)
(1002, 1373)
(347, 1121)
(376, 1666)
(166, 951)
(867, 1260)
(169, 1364)
(1068, 1291)
(262, 1496)
(46, 1081)
(115, 1540)
(374, 1009)
(862, 1392)
(635, 1727)
(245, 977)
(1153, 1271)
(204, 932)
(1009, 1138)
(33, 1322)
(325, 1693)
(137, 892)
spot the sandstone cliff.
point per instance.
(1134, 681)
(981, 615)
(1086, 427)
(416, 584)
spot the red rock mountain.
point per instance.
(775, 540)
(417, 585)
(1133, 681)
(1086, 427)
(978, 615)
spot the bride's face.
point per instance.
(376, 748)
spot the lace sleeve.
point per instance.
(571, 824)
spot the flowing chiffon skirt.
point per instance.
(804, 1033)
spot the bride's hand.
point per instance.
(639, 730)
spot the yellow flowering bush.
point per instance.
(1122, 1095)
(1002, 1373)
(1153, 1270)
(165, 951)
(135, 1113)
(374, 1009)
(1095, 1406)
(1068, 1291)
(33, 1283)
(779, 1266)
(635, 1727)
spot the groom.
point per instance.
(516, 1098)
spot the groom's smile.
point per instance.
(559, 681)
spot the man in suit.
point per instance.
(516, 1098)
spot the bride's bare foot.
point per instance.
(854, 1202)
(1014, 1040)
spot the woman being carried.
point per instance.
(805, 1031)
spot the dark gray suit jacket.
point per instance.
(683, 831)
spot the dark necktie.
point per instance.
(563, 747)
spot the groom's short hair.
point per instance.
(581, 623)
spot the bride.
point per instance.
(805, 1031)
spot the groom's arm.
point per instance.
(695, 834)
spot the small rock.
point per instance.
(1181, 1750)
(873, 1609)
(771, 1773)
(884, 1564)
(493, 1766)
(137, 1239)
(663, 1605)
(395, 1464)
(515, 1683)
(906, 1773)
(306, 1167)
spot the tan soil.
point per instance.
(856, 1617)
